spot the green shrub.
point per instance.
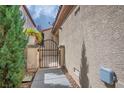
(12, 44)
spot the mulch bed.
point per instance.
(27, 83)
(71, 80)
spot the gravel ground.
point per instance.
(71, 80)
(27, 84)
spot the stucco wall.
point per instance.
(47, 34)
(55, 37)
(32, 59)
(92, 38)
(28, 23)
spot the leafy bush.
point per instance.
(34, 32)
(12, 44)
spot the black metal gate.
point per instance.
(49, 54)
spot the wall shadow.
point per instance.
(109, 86)
(83, 78)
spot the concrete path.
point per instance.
(50, 78)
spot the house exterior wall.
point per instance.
(28, 23)
(32, 59)
(47, 34)
(31, 53)
(55, 37)
(93, 37)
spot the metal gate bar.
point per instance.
(49, 54)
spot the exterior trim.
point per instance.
(61, 16)
(46, 29)
(29, 15)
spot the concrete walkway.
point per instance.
(50, 78)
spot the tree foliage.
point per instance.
(12, 44)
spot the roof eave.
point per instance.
(29, 15)
(61, 16)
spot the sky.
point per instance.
(43, 15)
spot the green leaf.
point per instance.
(12, 44)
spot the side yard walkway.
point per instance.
(50, 78)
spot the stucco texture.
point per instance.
(47, 34)
(32, 59)
(93, 38)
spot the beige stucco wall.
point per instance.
(31, 40)
(47, 34)
(28, 23)
(94, 37)
(55, 37)
(32, 59)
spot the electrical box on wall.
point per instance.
(107, 75)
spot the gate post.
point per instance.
(32, 59)
(62, 56)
